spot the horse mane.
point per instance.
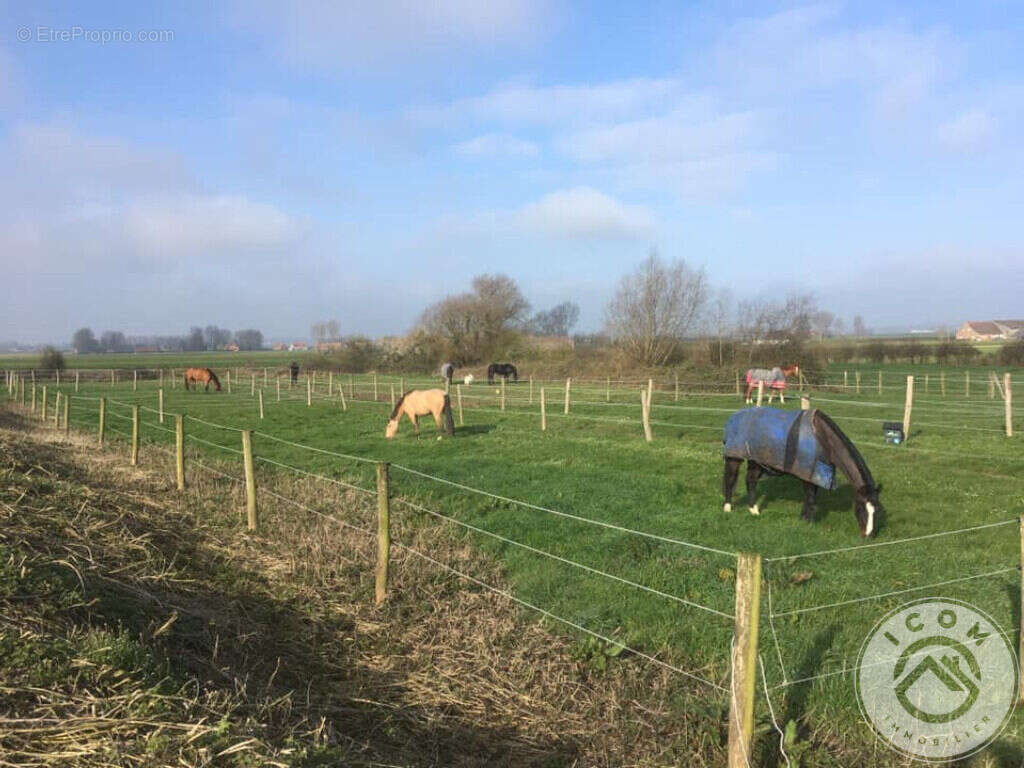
(855, 456)
(398, 405)
(213, 376)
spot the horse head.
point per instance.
(868, 509)
(392, 428)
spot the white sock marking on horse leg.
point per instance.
(871, 519)
(754, 510)
(727, 507)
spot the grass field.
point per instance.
(958, 471)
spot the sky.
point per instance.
(268, 165)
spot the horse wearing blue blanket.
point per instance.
(805, 444)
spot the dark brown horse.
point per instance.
(199, 376)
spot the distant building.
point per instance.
(230, 347)
(298, 346)
(988, 330)
(279, 347)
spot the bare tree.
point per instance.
(655, 307)
(823, 323)
(557, 321)
(719, 316)
(859, 329)
(761, 320)
(479, 322)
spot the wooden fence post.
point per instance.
(503, 380)
(568, 384)
(111, 377)
(57, 372)
(531, 390)
(856, 377)
(393, 396)
(375, 387)
(21, 388)
(261, 402)
(608, 389)
(33, 398)
(135, 381)
(744, 659)
(458, 395)
(252, 385)
(760, 392)
(737, 382)
(942, 382)
(135, 436)
(967, 384)
(309, 392)
(927, 387)
(179, 450)
(67, 415)
(383, 532)
(277, 382)
(1008, 399)
(907, 408)
(160, 404)
(800, 378)
(645, 413)
(252, 520)
(174, 379)
(42, 413)
(265, 377)
(330, 383)
(341, 393)
(103, 420)
(879, 381)
(677, 387)
(228, 375)
(56, 410)
(543, 412)
(76, 381)
(846, 384)
(805, 403)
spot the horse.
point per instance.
(468, 379)
(420, 402)
(505, 370)
(293, 369)
(805, 444)
(773, 378)
(447, 371)
(201, 376)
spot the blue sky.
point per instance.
(278, 163)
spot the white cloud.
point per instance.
(496, 145)
(967, 132)
(558, 104)
(583, 212)
(328, 36)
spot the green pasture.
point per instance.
(959, 470)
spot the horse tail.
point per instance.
(213, 378)
(449, 420)
(398, 406)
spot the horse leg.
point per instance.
(729, 477)
(782, 396)
(412, 418)
(810, 499)
(437, 420)
(753, 475)
(750, 388)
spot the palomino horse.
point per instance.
(505, 370)
(420, 402)
(199, 376)
(805, 444)
(773, 378)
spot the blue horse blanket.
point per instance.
(783, 441)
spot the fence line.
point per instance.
(561, 559)
(190, 436)
(795, 611)
(314, 474)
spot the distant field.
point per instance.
(958, 471)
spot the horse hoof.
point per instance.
(727, 507)
(754, 510)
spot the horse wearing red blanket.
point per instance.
(774, 380)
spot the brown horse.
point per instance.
(420, 402)
(199, 376)
(773, 378)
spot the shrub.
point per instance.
(1012, 354)
(52, 359)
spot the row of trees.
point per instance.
(197, 339)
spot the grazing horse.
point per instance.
(468, 379)
(420, 402)
(199, 376)
(505, 370)
(447, 371)
(293, 369)
(773, 378)
(805, 444)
